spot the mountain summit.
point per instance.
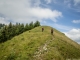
(37, 45)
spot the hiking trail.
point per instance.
(43, 48)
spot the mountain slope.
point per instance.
(37, 45)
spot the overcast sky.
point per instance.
(64, 15)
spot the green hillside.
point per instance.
(38, 45)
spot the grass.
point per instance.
(25, 45)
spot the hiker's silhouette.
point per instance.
(42, 29)
(51, 31)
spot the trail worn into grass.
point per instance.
(44, 48)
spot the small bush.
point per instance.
(11, 57)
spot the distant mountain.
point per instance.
(37, 45)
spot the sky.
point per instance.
(64, 15)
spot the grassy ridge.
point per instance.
(25, 46)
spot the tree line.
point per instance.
(1, 25)
(11, 30)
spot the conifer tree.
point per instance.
(26, 27)
(31, 25)
(21, 28)
(17, 30)
(37, 23)
(1, 25)
(10, 30)
(3, 36)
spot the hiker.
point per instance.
(51, 31)
(42, 29)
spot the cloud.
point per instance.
(73, 5)
(76, 2)
(4, 20)
(78, 42)
(74, 34)
(26, 11)
(76, 21)
(60, 27)
(63, 27)
(66, 1)
(45, 13)
(48, 1)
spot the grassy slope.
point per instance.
(30, 46)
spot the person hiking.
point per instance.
(51, 31)
(42, 29)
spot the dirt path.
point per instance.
(38, 54)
